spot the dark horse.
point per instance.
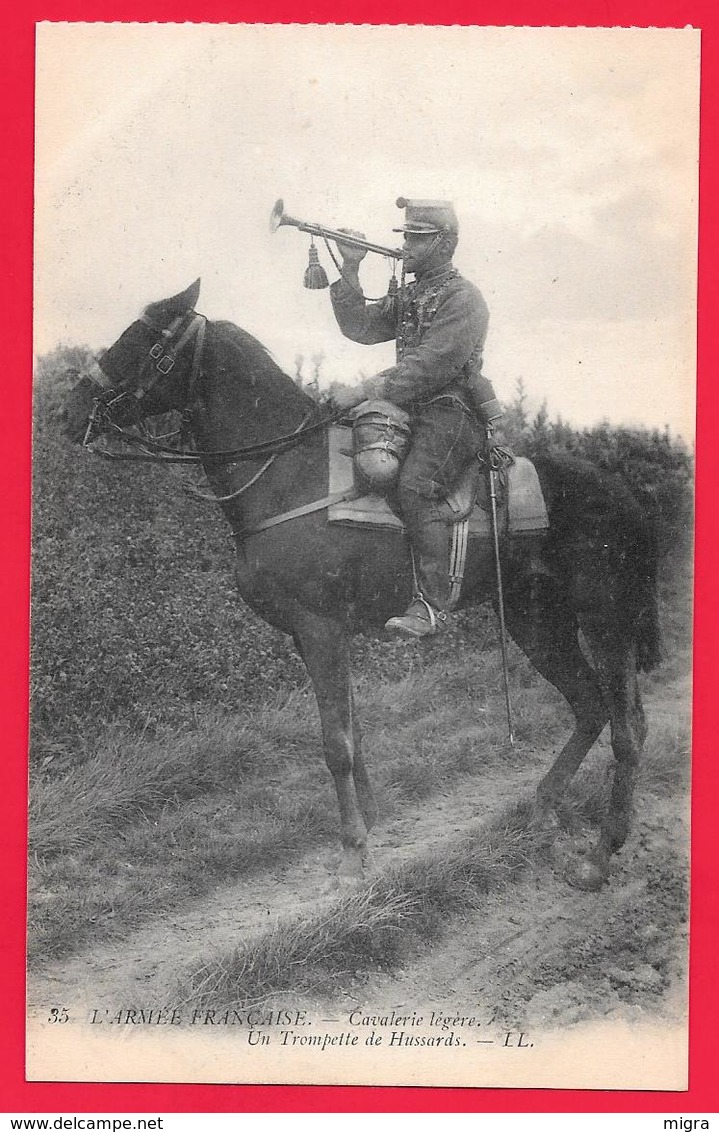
(321, 582)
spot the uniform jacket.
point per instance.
(443, 333)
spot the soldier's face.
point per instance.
(422, 251)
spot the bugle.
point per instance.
(279, 217)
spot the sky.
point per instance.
(571, 156)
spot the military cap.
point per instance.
(427, 216)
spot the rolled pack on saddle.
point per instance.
(381, 437)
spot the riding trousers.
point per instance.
(445, 439)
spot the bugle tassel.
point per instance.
(389, 303)
(315, 275)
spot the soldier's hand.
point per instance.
(351, 254)
(344, 398)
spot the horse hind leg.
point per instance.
(629, 730)
(546, 629)
(616, 663)
(324, 647)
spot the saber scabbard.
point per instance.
(492, 474)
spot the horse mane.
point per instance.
(246, 356)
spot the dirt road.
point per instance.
(536, 955)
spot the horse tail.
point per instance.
(612, 517)
(641, 585)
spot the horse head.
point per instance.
(136, 377)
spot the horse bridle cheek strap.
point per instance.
(164, 356)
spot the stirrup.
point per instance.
(414, 624)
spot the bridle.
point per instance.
(162, 358)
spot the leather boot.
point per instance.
(427, 614)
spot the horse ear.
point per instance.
(192, 294)
(167, 309)
(185, 301)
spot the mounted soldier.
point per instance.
(439, 322)
(320, 581)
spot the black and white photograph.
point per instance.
(362, 535)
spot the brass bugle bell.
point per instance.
(279, 217)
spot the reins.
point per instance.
(168, 455)
(164, 358)
(197, 494)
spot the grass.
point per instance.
(377, 928)
(127, 779)
(143, 825)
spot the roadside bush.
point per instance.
(658, 466)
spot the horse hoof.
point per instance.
(370, 817)
(544, 817)
(353, 865)
(544, 826)
(340, 885)
(586, 875)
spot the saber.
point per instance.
(498, 570)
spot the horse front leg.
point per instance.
(324, 646)
(360, 774)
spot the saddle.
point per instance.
(521, 506)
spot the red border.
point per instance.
(16, 76)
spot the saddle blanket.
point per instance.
(523, 510)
